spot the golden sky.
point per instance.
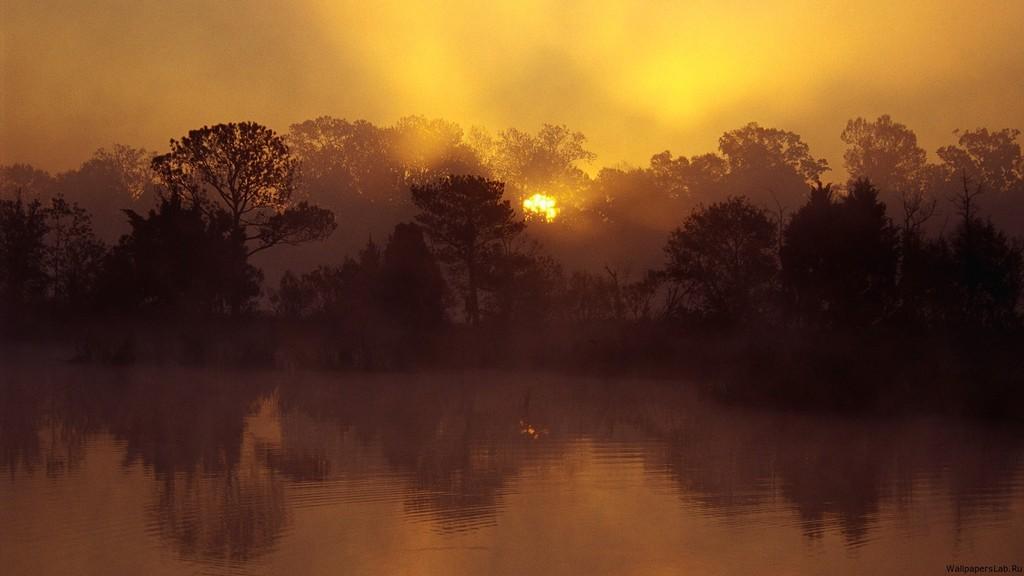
(635, 77)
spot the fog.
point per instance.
(636, 78)
(541, 287)
(234, 472)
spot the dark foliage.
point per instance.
(22, 255)
(763, 280)
(524, 287)
(180, 259)
(723, 257)
(380, 306)
(470, 226)
(402, 285)
(412, 291)
(247, 171)
(981, 272)
(839, 259)
(49, 259)
(74, 257)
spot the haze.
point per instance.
(635, 78)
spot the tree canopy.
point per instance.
(469, 224)
(839, 258)
(247, 171)
(884, 152)
(723, 257)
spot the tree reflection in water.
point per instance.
(229, 453)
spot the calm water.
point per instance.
(171, 471)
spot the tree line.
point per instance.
(750, 236)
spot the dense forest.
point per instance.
(346, 245)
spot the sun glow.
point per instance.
(541, 206)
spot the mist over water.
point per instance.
(180, 471)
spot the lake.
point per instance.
(184, 471)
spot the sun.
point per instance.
(541, 206)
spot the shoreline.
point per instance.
(885, 371)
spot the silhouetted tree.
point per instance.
(23, 230)
(26, 181)
(345, 293)
(111, 180)
(378, 163)
(546, 162)
(469, 224)
(754, 146)
(294, 297)
(428, 149)
(625, 196)
(589, 297)
(886, 153)
(350, 168)
(769, 165)
(315, 293)
(807, 255)
(74, 255)
(670, 174)
(869, 250)
(132, 167)
(630, 210)
(359, 282)
(839, 258)
(699, 178)
(639, 297)
(723, 257)
(350, 299)
(918, 276)
(180, 258)
(524, 285)
(993, 161)
(986, 272)
(985, 269)
(627, 215)
(247, 171)
(346, 158)
(412, 291)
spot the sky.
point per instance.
(635, 77)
